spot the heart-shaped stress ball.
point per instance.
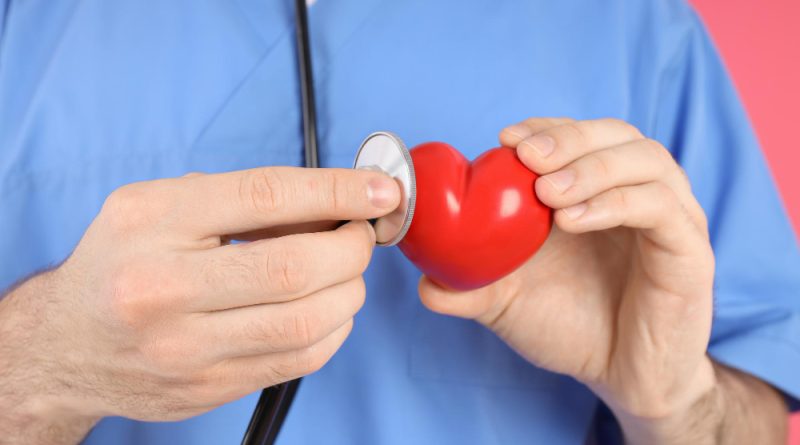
(473, 223)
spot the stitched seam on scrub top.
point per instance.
(253, 26)
(323, 70)
(320, 73)
(235, 92)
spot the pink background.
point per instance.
(760, 41)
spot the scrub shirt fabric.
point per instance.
(96, 94)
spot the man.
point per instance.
(154, 317)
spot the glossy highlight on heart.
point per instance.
(474, 223)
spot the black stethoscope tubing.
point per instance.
(308, 101)
(275, 401)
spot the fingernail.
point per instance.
(542, 145)
(574, 212)
(561, 180)
(382, 191)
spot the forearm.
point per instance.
(18, 427)
(31, 409)
(741, 409)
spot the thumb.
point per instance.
(465, 304)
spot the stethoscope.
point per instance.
(382, 151)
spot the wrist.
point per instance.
(692, 415)
(35, 397)
(35, 418)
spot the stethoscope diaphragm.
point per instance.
(384, 151)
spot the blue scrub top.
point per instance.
(95, 94)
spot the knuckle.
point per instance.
(669, 204)
(359, 292)
(600, 165)
(575, 134)
(535, 123)
(221, 271)
(332, 192)
(282, 371)
(663, 191)
(263, 190)
(360, 287)
(287, 268)
(659, 152)
(616, 201)
(262, 330)
(294, 332)
(126, 208)
(337, 193)
(626, 127)
(141, 290)
(131, 298)
(301, 330)
(612, 121)
(310, 360)
(547, 122)
(619, 199)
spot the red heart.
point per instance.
(473, 223)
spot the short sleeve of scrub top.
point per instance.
(756, 293)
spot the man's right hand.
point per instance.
(156, 317)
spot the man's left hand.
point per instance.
(620, 295)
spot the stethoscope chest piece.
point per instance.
(386, 152)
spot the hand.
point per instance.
(620, 295)
(156, 317)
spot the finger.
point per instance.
(277, 270)
(247, 374)
(512, 135)
(653, 207)
(631, 163)
(268, 328)
(472, 304)
(249, 200)
(286, 229)
(553, 148)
